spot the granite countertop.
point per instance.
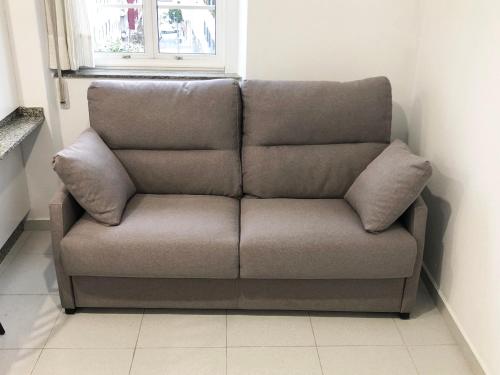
(17, 126)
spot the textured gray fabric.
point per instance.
(383, 295)
(388, 186)
(299, 113)
(310, 171)
(318, 239)
(379, 295)
(155, 292)
(173, 137)
(64, 212)
(311, 139)
(415, 221)
(161, 115)
(95, 177)
(175, 236)
(214, 172)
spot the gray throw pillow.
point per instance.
(388, 186)
(95, 177)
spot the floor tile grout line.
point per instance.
(52, 329)
(136, 341)
(405, 345)
(315, 343)
(222, 347)
(36, 362)
(400, 332)
(218, 347)
(412, 360)
(82, 348)
(56, 320)
(46, 341)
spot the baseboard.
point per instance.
(36, 224)
(7, 246)
(452, 323)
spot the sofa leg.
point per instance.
(404, 316)
(2, 331)
(70, 311)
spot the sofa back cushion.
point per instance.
(312, 139)
(172, 137)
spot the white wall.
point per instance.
(14, 199)
(455, 122)
(36, 89)
(336, 40)
(75, 119)
(8, 92)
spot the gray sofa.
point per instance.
(239, 201)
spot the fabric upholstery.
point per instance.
(311, 139)
(415, 221)
(185, 132)
(166, 115)
(64, 212)
(309, 171)
(378, 295)
(314, 113)
(95, 177)
(383, 295)
(175, 172)
(174, 236)
(388, 186)
(155, 292)
(318, 239)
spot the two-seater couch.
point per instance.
(239, 201)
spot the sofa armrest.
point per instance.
(64, 212)
(415, 221)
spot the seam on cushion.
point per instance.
(239, 237)
(239, 138)
(237, 98)
(244, 98)
(170, 150)
(389, 113)
(317, 144)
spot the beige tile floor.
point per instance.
(42, 340)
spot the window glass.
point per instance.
(186, 30)
(158, 32)
(119, 26)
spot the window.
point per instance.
(162, 33)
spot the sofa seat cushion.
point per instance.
(169, 236)
(318, 239)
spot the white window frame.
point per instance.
(152, 58)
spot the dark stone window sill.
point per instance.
(146, 74)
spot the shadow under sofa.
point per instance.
(239, 201)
